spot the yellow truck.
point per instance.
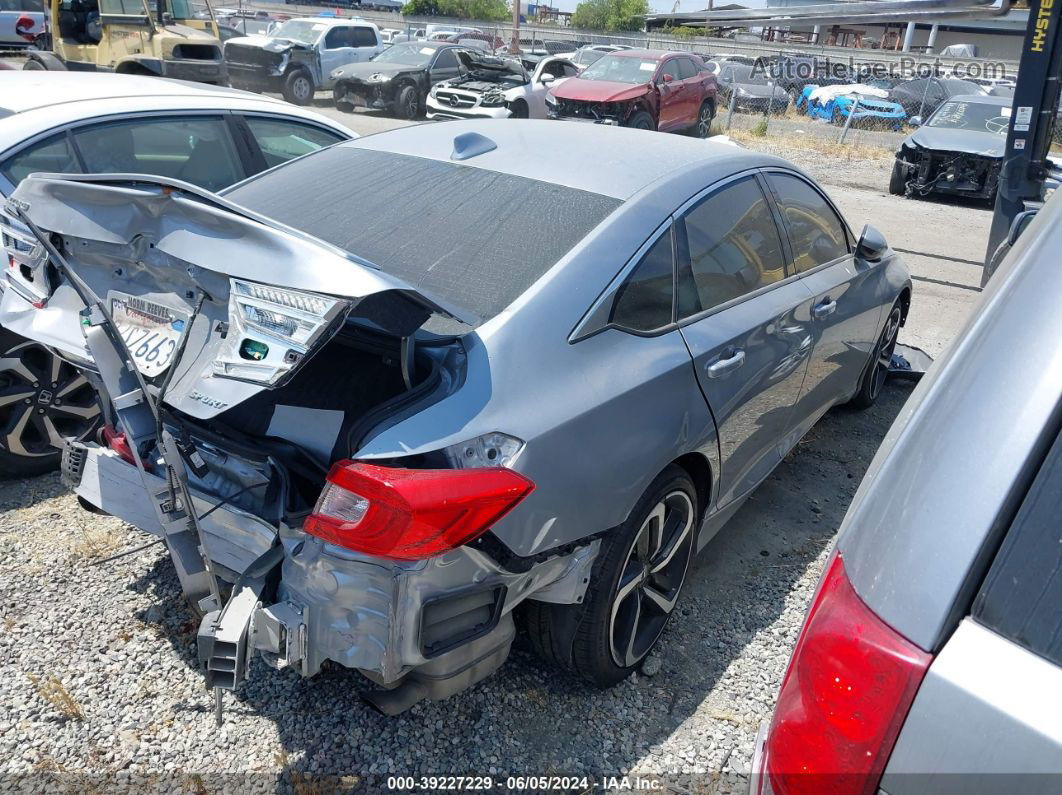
(167, 38)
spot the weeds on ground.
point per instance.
(55, 694)
(811, 143)
(96, 543)
(760, 130)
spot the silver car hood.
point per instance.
(165, 241)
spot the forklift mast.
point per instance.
(1032, 121)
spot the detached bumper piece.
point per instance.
(364, 95)
(195, 70)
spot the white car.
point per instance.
(84, 122)
(498, 88)
(584, 56)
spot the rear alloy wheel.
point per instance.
(878, 369)
(407, 103)
(42, 401)
(298, 87)
(704, 119)
(634, 587)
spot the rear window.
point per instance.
(1021, 598)
(471, 237)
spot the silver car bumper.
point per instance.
(441, 623)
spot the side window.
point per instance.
(670, 68)
(198, 151)
(363, 37)
(643, 302)
(570, 70)
(337, 37)
(51, 155)
(686, 68)
(445, 59)
(728, 246)
(281, 141)
(816, 233)
(727, 76)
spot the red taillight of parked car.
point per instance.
(845, 696)
(411, 514)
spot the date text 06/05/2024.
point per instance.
(580, 784)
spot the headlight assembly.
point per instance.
(336, 73)
(492, 100)
(551, 100)
(271, 329)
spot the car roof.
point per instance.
(23, 91)
(333, 21)
(33, 103)
(587, 157)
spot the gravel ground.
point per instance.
(98, 673)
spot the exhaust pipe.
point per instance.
(397, 700)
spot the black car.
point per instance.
(751, 89)
(398, 79)
(923, 95)
(792, 72)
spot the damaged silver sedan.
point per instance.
(521, 374)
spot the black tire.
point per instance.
(705, 116)
(898, 180)
(33, 65)
(346, 107)
(42, 399)
(878, 367)
(641, 120)
(610, 639)
(519, 110)
(407, 104)
(298, 87)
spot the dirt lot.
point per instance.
(97, 663)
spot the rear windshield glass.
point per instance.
(1021, 598)
(470, 237)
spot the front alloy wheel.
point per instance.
(878, 369)
(651, 579)
(43, 400)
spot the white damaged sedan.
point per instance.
(496, 87)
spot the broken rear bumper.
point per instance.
(435, 625)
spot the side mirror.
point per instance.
(547, 79)
(871, 245)
(915, 121)
(666, 78)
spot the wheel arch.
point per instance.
(905, 303)
(699, 468)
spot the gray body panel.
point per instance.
(986, 707)
(918, 536)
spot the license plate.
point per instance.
(150, 331)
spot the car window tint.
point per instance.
(728, 247)
(686, 68)
(643, 302)
(281, 141)
(363, 37)
(198, 151)
(815, 231)
(336, 38)
(1021, 597)
(445, 60)
(670, 68)
(50, 155)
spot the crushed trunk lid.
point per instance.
(159, 253)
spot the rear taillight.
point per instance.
(119, 443)
(845, 696)
(411, 514)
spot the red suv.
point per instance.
(645, 89)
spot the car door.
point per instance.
(336, 50)
(845, 307)
(740, 314)
(444, 66)
(365, 41)
(691, 89)
(672, 101)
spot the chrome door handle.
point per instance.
(721, 367)
(825, 309)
